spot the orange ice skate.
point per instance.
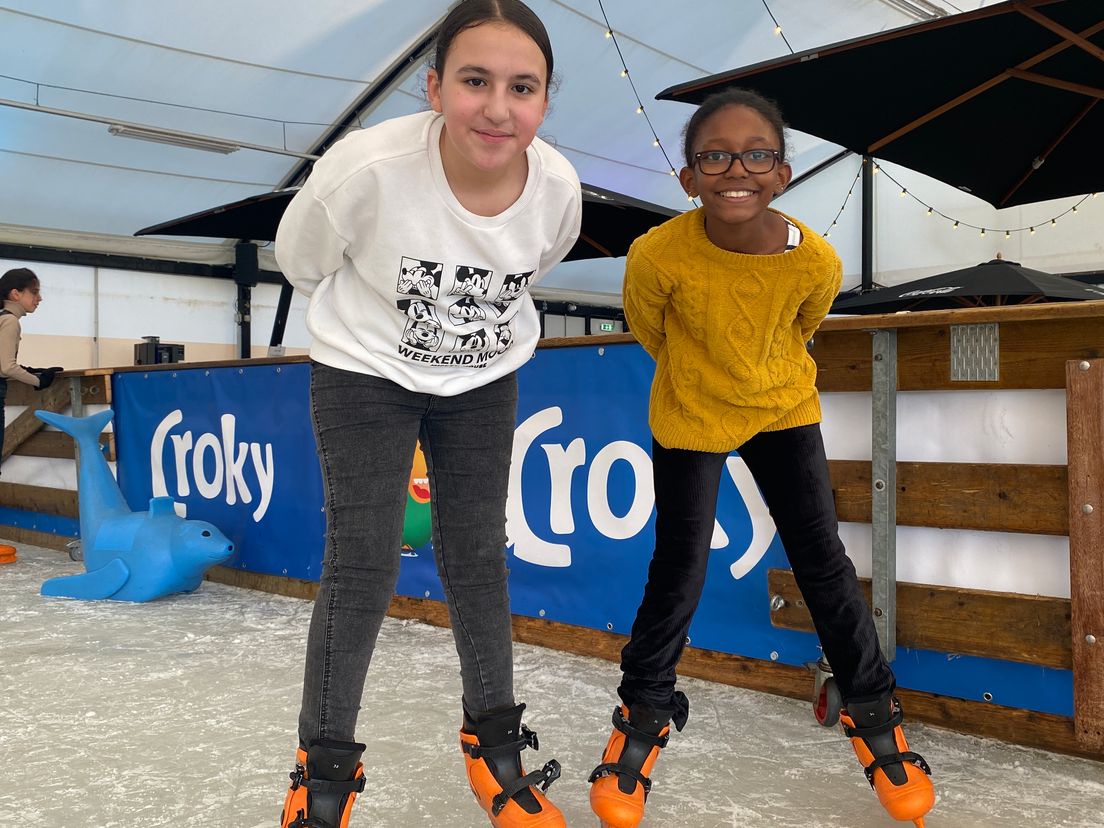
(492, 744)
(620, 785)
(325, 783)
(898, 776)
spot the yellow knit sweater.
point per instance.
(728, 332)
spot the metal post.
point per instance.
(883, 501)
(76, 405)
(867, 224)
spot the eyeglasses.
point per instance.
(718, 162)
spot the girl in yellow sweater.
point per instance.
(725, 298)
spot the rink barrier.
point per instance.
(1040, 347)
(1053, 346)
(1023, 727)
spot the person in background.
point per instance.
(725, 298)
(417, 241)
(22, 295)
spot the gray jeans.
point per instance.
(366, 429)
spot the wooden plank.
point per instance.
(1065, 311)
(55, 398)
(995, 497)
(43, 499)
(1033, 354)
(57, 445)
(1085, 449)
(47, 540)
(275, 584)
(94, 390)
(843, 360)
(1032, 629)
(1023, 727)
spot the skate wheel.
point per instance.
(828, 703)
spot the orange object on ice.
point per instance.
(898, 776)
(7, 554)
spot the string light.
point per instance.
(777, 27)
(1008, 231)
(827, 233)
(611, 35)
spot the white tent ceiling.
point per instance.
(279, 73)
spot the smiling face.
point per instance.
(736, 197)
(493, 92)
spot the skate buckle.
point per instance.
(530, 738)
(549, 773)
(297, 776)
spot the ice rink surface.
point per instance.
(183, 712)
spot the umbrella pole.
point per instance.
(867, 224)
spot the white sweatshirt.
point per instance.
(405, 283)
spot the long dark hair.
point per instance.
(733, 97)
(19, 278)
(470, 13)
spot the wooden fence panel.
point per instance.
(996, 497)
(1085, 437)
(1027, 628)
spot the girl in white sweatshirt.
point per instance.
(417, 241)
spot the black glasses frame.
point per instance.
(776, 159)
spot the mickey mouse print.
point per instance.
(450, 317)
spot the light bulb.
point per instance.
(904, 193)
(655, 143)
(1053, 222)
(609, 33)
(1007, 234)
(624, 73)
(1074, 210)
(1033, 231)
(930, 211)
(955, 226)
(639, 110)
(983, 231)
(778, 30)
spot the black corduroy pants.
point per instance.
(792, 473)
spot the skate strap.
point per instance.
(528, 739)
(624, 770)
(622, 724)
(304, 821)
(876, 730)
(325, 786)
(894, 759)
(540, 779)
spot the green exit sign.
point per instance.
(607, 327)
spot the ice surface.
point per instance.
(183, 712)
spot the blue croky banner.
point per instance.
(580, 517)
(232, 446)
